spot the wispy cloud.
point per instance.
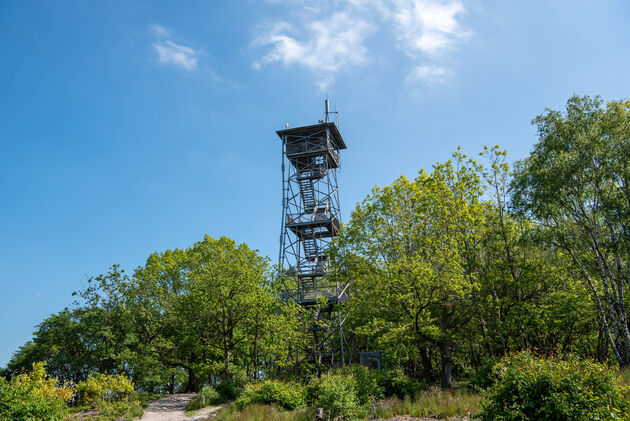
(429, 74)
(170, 53)
(324, 46)
(176, 55)
(160, 31)
(332, 35)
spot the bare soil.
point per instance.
(173, 408)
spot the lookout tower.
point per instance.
(310, 221)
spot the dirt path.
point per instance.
(173, 408)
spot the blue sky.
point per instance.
(128, 127)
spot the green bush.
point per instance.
(528, 387)
(368, 383)
(484, 378)
(228, 390)
(118, 410)
(104, 388)
(207, 396)
(23, 401)
(34, 395)
(288, 395)
(337, 395)
(397, 383)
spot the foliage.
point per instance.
(410, 251)
(369, 383)
(207, 311)
(576, 182)
(528, 387)
(207, 396)
(396, 383)
(228, 390)
(34, 395)
(104, 388)
(288, 395)
(337, 395)
(118, 410)
(484, 377)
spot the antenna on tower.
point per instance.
(327, 111)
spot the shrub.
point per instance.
(367, 383)
(207, 396)
(118, 410)
(527, 387)
(34, 396)
(397, 383)
(484, 377)
(288, 395)
(104, 388)
(228, 390)
(337, 395)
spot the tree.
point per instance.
(530, 300)
(183, 319)
(576, 183)
(412, 251)
(226, 296)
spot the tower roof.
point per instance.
(314, 129)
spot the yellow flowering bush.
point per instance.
(34, 396)
(104, 388)
(44, 385)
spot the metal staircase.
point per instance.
(307, 192)
(311, 218)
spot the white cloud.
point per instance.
(160, 31)
(431, 75)
(177, 55)
(331, 35)
(324, 46)
(426, 26)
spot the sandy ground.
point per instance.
(173, 408)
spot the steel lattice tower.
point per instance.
(310, 221)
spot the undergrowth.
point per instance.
(259, 412)
(430, 403)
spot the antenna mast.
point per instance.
(327, 111)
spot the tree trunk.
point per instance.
(256, 355)
(226, 356)
(193, 385)
(447, 364)
(425, 357)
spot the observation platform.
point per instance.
(315, 130)
(309, 147)
(311, 296)
(313, 225)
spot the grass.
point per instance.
(431, 403)
(145, 398)
(108, 412)
(258, 412)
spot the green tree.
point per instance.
(576, 183)
(530, 299)
(181, 320)
(412, 250)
